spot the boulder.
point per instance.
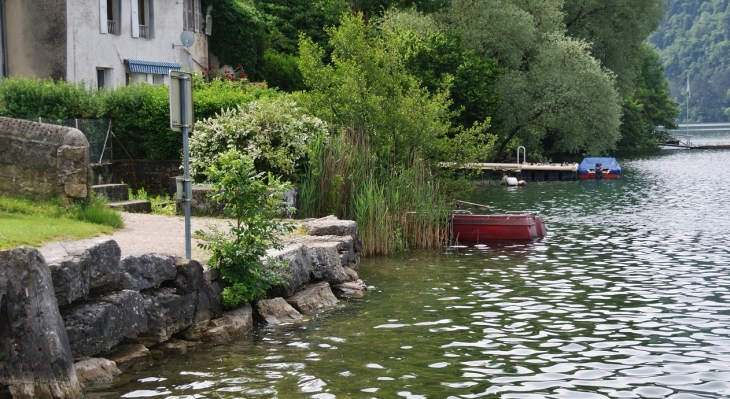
(327, 265)
(81, 267)
(167, 313)
(96, 370)
(97, 326)
(297, 272)
(146, 271)
(313, 297)
(195, 284)
(350, 289)
(330, 226)
(347, 248)
(276, 311)
(129, 357)
(37, 360)
(232, 324)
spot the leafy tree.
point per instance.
(287, 19)
(367, 92)
(439, 58)
(253, 201)
(694, 41)
(554, 93)
(616, 31)
(648, 106)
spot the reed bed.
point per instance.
(395, 209)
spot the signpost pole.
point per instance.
(186, 161)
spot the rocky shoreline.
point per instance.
(77, 312)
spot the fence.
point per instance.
(97, 131)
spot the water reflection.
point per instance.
(627, 297)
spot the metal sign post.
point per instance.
(181, 115)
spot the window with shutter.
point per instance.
(197, 15)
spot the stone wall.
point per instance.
(106, 312)
(43, 161)
(156, 177)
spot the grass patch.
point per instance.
(34, 223)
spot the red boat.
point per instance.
(524, 226)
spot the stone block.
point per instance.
(82, 267)
(276, 311)
(313, 297)
(130, 357)
(146, 271)
(330, 226)
(298, 271)
(96, 326)
(350, 289)
(96, 370)
(232, 324)
(37, 358)
(167, 313)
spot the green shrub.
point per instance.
(273, 131)
(282, 71)
(30, 98)
(211, 98)
(253, 201)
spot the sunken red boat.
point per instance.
(515, 226)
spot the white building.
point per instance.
(106, 43)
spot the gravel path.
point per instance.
(147, 233)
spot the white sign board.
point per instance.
(176, 79)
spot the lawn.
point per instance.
(35, 223)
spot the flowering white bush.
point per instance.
(273, 131)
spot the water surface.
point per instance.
(627, 297)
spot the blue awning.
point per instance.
(159, 68)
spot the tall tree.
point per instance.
(554, 93)
(616, 31)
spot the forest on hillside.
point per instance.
(554, 76)
(694, 40)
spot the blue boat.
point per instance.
(597, 168)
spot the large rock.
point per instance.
(95, 370)
(330, 226)
(97, 326)
(194, 283)
(276, 311)
(37, 356)
(234, 323)
(327, 265)
(81, 267)
(167, 313)
(129, 357)
(313, 297)
(350, 289)
(298, 269)
(146, 271)
(347, 247)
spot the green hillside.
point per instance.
(694, 40)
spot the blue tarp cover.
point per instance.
(607, 163)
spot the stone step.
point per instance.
(133, 206)
(113, 192)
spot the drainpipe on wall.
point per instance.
(4, 34)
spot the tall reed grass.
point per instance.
(395, 209)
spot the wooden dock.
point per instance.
(522, 171)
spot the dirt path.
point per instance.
(147, 233)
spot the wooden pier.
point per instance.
(528, 172)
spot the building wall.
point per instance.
(89, 49)
(36, 36)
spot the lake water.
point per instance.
(627, 297)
